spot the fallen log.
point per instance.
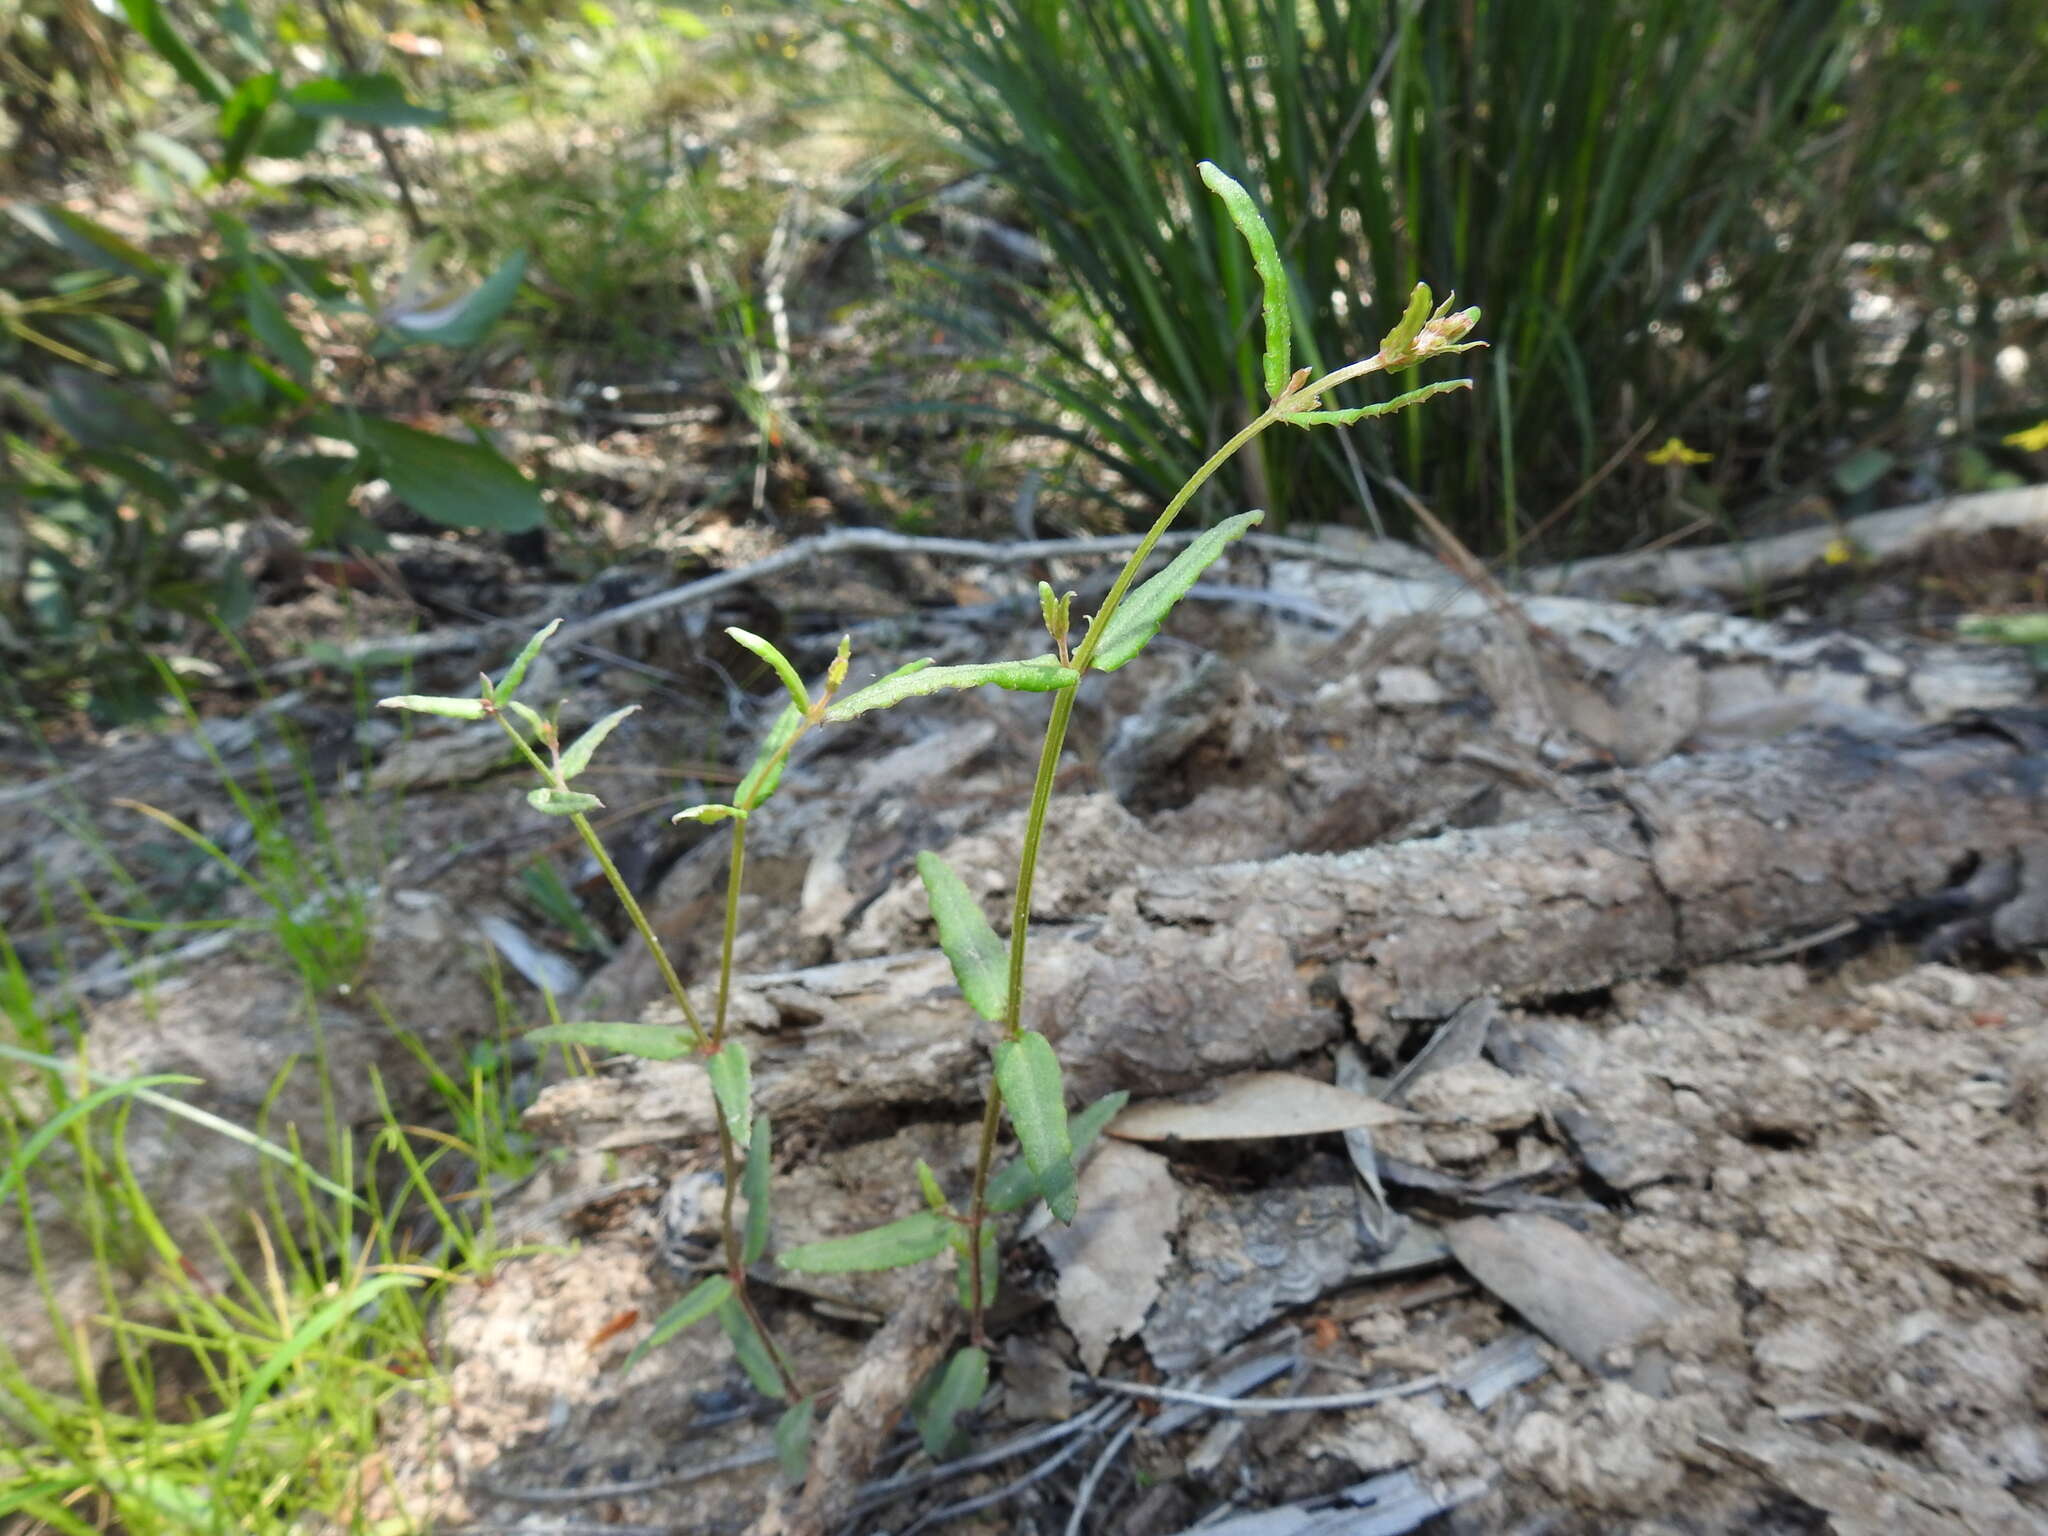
(1188, 974)
(1737, 570)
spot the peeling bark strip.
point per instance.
(1199, 972)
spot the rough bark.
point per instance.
(1192, 973)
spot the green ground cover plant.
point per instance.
(1026, 1083)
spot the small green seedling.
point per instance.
(1026, 1081)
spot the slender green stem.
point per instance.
(991, 1123)
(734, 871)
(1034, 827)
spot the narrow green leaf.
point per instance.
(1041, 674)
(704, 1298)
(1144, 609)
(427, 704)
(775, 661)
(1409, 326)
(650, 1042)
(271, 326)
(530, 717)
(934, 1197)
(1028, 1072)
(241, 119)
(467, 320)
(1345, 418)
(1278, 309)
(980, 960)
(279, 1361)
(88, 240)
(793, 1440)
(373, 101)
(759, 784)
(909, 1241)
(577, 757)
(958, 1389)
(1016, 1186)
(963, 1270)
(101, 414)
(707, 814)
(732, 1084)
(550, 801)
(758, 1185)
(506, 686)
(456, 484)
(150, 19)
(750, 1349)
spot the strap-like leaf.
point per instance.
(1345, 418)
(515, 674)
(776, 661)
(732, 1084)
(1028, 1072)
(1016, 1186)
(750, 1349)
(934, 1197)
(769, 762)
(958, 1388)
(1041, 674)
(577, 757)
(1278, 311)
(793, 1439)
(981, 961)
(909, 1241)
(1144, 609)
(550, 801)
(650, 1042)
(528, 716)
(758, 1185)
(428, 704)
(704, 1298)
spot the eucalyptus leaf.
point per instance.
(980, 960)
(649, 1042)
(1028, 1072)
(371, 101)
(1277, 309)
(758, 1185)
(958, 1389)
(465, 321)
(550, 801)
(1145, 607)
(911, 1240)
(457, 484)
(577, 756)
(1041, 674)
(704, 1298)
(732, 1084)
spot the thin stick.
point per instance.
(1010, 1489)
(1110, 1452)
(592, 1492)
(1263, 1404)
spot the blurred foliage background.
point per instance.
(284, 282)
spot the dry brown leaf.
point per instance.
(1111, 1259)
(1256, 1105)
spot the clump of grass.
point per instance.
(1650, 197)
